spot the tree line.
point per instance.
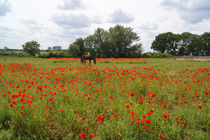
(182, 44)
(118, 42)
(123, 42)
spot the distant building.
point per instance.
(57, 48)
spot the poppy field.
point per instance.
(63, 99)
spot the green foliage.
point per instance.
(31, 47)
(73, 50)
(166, 42)
(156, 55)
(171, 81)
(118, 42)
(182, 44)
(206, 38)
(121, 39)
(15, 53)
(77, 48)
(50, 54)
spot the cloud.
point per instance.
(191, 11)
(4, 7)
(72, 21)
(31, 24)
(4, 28)
(71, 5)
(148, 26)
(120, 16)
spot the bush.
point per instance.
(15, 53)
(156, 55)
(49, 54)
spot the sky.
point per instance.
(61, 22)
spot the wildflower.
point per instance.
(82, 134)
(161, 136)
(148, 121)
(144, 127)
(199, 106)
(83, 118)
(165, 116)
(132, 113)
(127, 105)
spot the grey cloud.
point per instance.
(71, 5)
(148, 26)
(72, 21)
(191, 11)
(4, 7)
(29, 21)
(120, 16)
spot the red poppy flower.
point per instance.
(127, 105)
(83, 118)
(148, 121)
(144, 127)
(82, 134)
(161, 136)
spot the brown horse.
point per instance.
(87, 57)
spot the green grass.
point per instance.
(174, 88)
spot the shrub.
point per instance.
(49, 54)
(156, 55)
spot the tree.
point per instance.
(121, 39)
(185, 41)
(89, 45)
(73, 50)
(166, 42)
(118, 41)
(97, 43)
(31, 47)
(197, 45)
(80, 43)
(191, 44)
(206, 38)
(77, 48)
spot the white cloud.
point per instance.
(60, 22)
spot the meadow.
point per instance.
(115, 99)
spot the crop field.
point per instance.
(119, 99)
